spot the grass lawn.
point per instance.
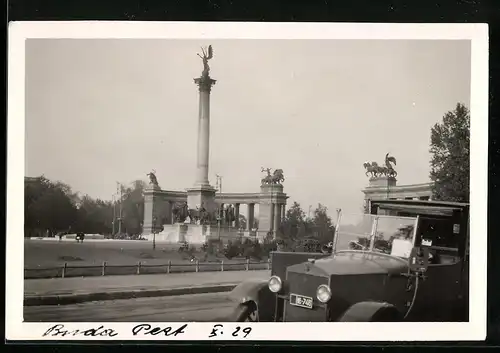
(45, 259)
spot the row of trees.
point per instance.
(297, 227)
(52, 207)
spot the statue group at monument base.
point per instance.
(198, 234)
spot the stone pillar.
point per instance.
(202, 193)
(171, 207)
(153, 209)
(227, 222)
(205, 86)
(250, 215)
(277, 217)
(270, 194)
(283, 212)
(272, 215)
(236, 215)
(221, 213)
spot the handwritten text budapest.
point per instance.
(145, 330)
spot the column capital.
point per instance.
(205, 83)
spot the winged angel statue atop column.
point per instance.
(207, 55)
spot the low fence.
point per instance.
(142, 268)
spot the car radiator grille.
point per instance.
(304, 284)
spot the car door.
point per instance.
(438, 292)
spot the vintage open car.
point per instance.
(404, 261)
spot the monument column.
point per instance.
(202, 193)
(205, 86)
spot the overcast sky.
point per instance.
(101, 111)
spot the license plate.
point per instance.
(302, 301)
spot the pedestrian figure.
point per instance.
(79, 237)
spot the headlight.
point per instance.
(274, 284)
(323, 293)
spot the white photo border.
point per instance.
(475, 329)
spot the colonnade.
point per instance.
(274, 213)
(159, 206)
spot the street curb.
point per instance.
(67, 299)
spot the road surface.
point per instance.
(183, 308)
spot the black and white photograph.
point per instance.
(182, 178)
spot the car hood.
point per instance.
(353, 263)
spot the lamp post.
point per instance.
(154, 233)
(336, 233)
(219, 212)
(113, 200)
(120, 192)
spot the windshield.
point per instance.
(387, 234)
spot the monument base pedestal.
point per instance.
(271, 208)
(201, 195)
(153, 209)
(193, 234)
(382, 181)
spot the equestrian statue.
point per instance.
(201, 215)
(180, 212)
(275, 178)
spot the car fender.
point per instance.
(248, 291)
(258, 292)
(371, 312)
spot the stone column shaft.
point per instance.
(236, 215)
(203, 148)
(203, 139)
(250, 215)
(222, 213)
(277, 216)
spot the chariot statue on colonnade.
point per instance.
(376, 171)
(275, 178)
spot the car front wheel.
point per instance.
(247, 313)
